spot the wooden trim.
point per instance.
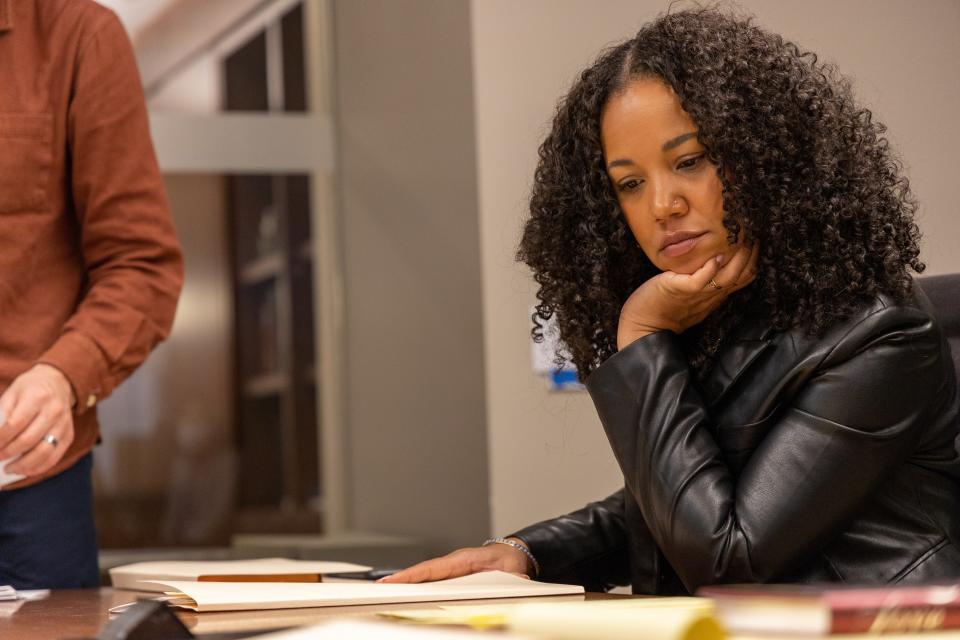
(328, 281)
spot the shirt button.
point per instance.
(91, 400)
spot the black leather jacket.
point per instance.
(799, 459)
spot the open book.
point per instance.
(234, 596)
(143, 576)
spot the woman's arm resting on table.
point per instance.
(857, 418)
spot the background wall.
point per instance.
(167, 428)
(415, 432)
(547, 452)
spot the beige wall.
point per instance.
(415, 437)
(180, 400)
(547, 453)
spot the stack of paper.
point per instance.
(361, 630)
(234, 596)
(11, 600)
(143, 576)
(8, 593)
(5, 476)
(657, 618)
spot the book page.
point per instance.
(231, 596)
(133, 576)
(361, 630)
(494, 616)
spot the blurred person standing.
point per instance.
(90, 271)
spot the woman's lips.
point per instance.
(680, 245)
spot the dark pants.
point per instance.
(47, 537)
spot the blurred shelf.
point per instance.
(273, 297)
(265, 384)
(305, 251)
(262, 269)
(268, 519)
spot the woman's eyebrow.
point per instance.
(675, 142)
(669, 144)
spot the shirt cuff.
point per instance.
(79, 359)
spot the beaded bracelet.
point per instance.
(522, 548)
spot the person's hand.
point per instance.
(38, 422)
(677, 301)
(493, 557)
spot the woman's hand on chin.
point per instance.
(493, 557)
(676, 301)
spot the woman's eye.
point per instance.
(690, 163)
(629, 185)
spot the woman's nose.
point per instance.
(667, 203)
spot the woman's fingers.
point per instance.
(738, 272)
(693, 282)
(702, 277)
(429, 571)
(676, 301)
(463, 562)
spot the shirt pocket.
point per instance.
(26, 159)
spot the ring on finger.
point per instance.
(51, 440)
(713, 283)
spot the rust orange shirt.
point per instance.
(90, 267)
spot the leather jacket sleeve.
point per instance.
(593, 552)
(861, 400)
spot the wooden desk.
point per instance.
(81, 613)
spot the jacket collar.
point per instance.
(6, 15)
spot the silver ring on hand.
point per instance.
(713, 283)
(51, 440)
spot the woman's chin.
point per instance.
(686, 266)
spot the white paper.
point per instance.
(233, 596)
(672, 622)
(360, 630)
(498, 614)
(8, 594)
(7, 478)
(143, 576)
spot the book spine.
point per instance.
(901, 619)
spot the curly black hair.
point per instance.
(806, 172)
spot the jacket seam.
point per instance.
(833, 567)
(851, 329)
(920, 560)
(920, 505)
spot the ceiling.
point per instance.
(137, 14)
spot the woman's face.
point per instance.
(669, 192)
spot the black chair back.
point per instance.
(944, 294)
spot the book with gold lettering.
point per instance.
(823, 610)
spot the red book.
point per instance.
(823, 610)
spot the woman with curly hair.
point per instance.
(725, 240)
